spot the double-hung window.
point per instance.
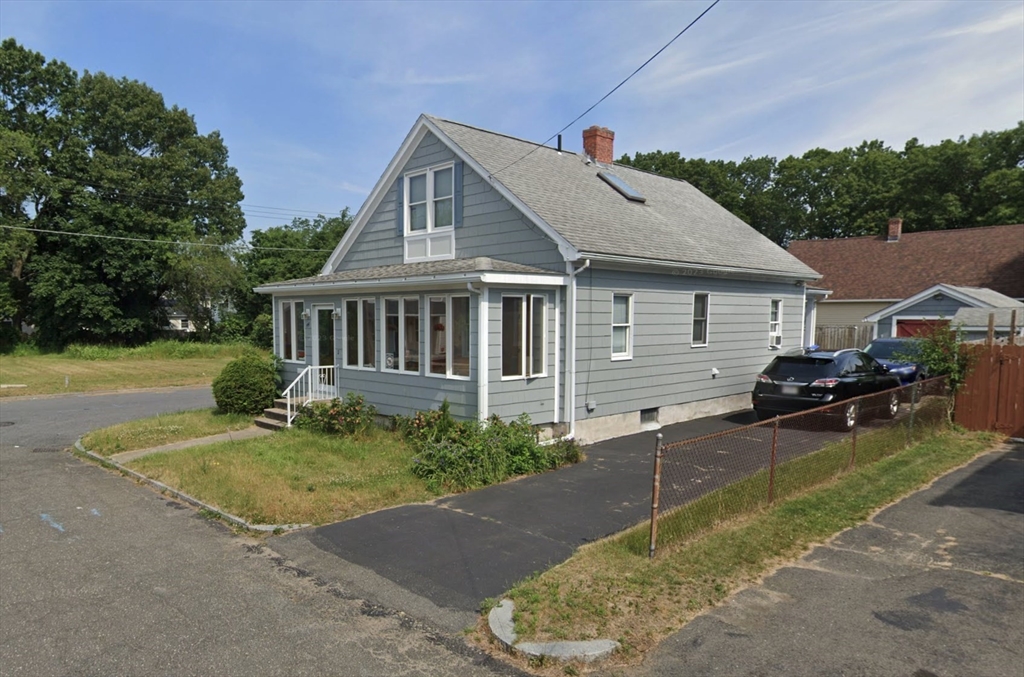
(622, 326)
(402, 335)
(360, 333)
(429, 214)
(524, 336)
(293, 331)
(699, 337)
(775, 324)
(448, 336)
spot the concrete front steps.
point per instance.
(275, 417)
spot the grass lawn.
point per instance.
(294, 476)
(610, 590)
(164, 429)
(164, 363)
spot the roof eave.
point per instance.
(699, 269)
(483, 277)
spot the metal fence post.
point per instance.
(853, 437)
(913, 403)
(771, 463)
(655, 491)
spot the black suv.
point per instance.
(794, 383)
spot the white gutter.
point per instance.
(522, 279)
(697, 269)
(570, 386)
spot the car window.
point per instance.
(801, 367)
(857, 365)
(870, 363)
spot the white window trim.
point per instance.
(526, 337)
(401, 335)
(707, 319)
(359, 331)
(429, 173)
(448, 335)
(772, 335)
(295, 318)
(628, 355)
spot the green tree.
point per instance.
(96, 155)
(287, 252)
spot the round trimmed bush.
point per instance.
(247, 385)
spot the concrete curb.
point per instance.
(191, 500)
(499, 620)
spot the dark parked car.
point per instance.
(794, 383)
(900, 356)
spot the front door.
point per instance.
(323, 352)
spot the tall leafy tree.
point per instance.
(97, 155)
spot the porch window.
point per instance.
(293, 331)
(402, 335)
(524, 336)
(775, 324)
(360, 334)
(622, 326)
(699, 337)
(449, 336)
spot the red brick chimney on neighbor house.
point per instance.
(895, 230)
(598, 143)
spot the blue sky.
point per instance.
(313, 99)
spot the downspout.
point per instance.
(482, 338)
(570, 388)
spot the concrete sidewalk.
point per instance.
(931, 586)
(231, 436)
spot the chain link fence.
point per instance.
(705, 480)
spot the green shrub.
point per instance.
(338, 417)
(231, 329)
(456, 455)
(247, 385)
(262, 334)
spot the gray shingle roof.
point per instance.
(978, 317)
(425, 269)
(677, 222)
(985, 295)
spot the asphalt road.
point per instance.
(100, 576)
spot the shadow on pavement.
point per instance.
(994, 486)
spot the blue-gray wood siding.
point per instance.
(931, 308)
(393, 392)
(665, 369)
(490, 225)
(534, 396)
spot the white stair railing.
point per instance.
(313, 383)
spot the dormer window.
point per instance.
(428, 211)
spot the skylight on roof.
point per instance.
(624, 188)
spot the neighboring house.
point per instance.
(973, 322)
(936, 305)
(867, 275)
(512, 278)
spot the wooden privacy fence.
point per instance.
(992, 397)
(842, 337)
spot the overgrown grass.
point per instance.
(164, 429)
(89, 368)
(294, 476)
(608, 590)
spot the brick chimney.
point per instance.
(598, 143)
(895, 230)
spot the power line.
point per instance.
(169, 242)
(613, 90)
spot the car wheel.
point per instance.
(893, 406)
(763, 415)
(849, 416)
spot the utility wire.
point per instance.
(613, 90)
(172, 242)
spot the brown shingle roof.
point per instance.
(871, 268)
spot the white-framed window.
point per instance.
(701, 303)
(775, 324)
(524, 336)
(402, 335)
(430, 199)
(293, 332)
(184, 324)
(448, 336)
(359, 334)
(622, 326)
